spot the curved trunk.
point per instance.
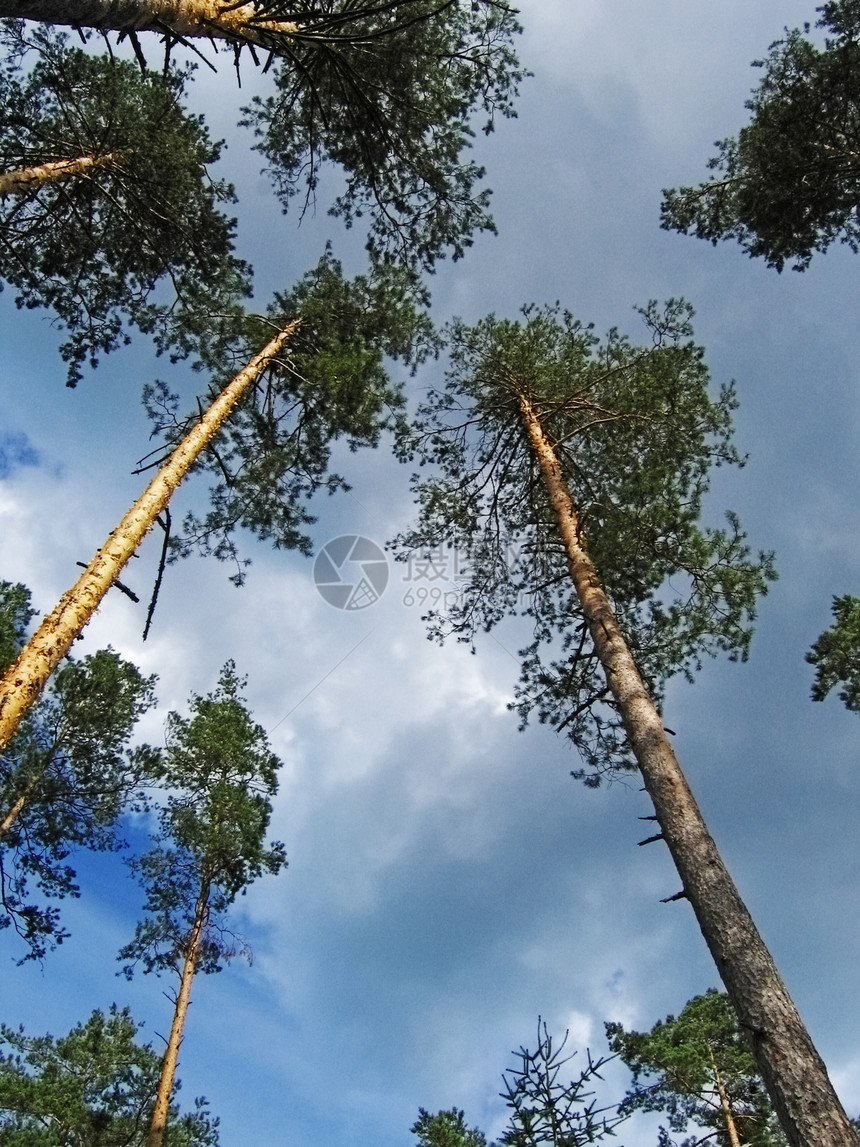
(24, 179)
(158, 1126)
(796, 1079)
(220, 19)
(26, 676)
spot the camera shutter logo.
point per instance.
(351, 572)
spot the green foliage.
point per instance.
(220, 775)
(545, 1109)
(15, 616)
(446, 1129)
(69, 774)
(94, 1087)
(636, 434)
(685, 1057)
(836, 654)
(788, 185)
(386, 92)
(138, 242)
(330, 383)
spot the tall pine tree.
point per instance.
(573, 472)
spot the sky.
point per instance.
(448, 881)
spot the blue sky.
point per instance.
(448, 881)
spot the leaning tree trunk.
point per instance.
(219, 19)
(161, 1110)
(24, 179)
(26, 676)
(808, 1108)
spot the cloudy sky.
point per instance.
(448, 881)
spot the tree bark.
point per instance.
(221, 19)
(808, 1108)
(161, 1110)
(25, 179)
(26, 676)
(725, 1106)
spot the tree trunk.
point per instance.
(796, 1079)
(26, 676)
(725, 1106)
(25, 179)
(221, 19)
(171, 1055)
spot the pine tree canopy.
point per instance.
(138, 239)
(636, 433)
(836, 655)
(387, 94)
(789, 183)
(331, 383)
(681, 1064)
(65, 779)
(93, 1087)
(220, 775)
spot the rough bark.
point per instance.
(25, 179)
(808, 1108)
(27, 675)
(171, 1055)
(220, 19)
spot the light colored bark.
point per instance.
(15, 811)
(25, 179)
(171, 1055)
(27, 675)
(795, 1076)
(185, 18)
(725, 1106)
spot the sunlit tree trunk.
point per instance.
(725, 1106)
(806, 1104)
(27, 675)
(219, 18)
(25, 179)
(180, 1011)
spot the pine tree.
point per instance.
(94, 1087)
(106, 198)
(698, 1068)
(836, 655)
(220, 775)
(386, 91)
(788, 184)
(66, 778)
(588, 463)
(273, 455)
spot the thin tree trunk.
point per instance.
(25, 179)
(221, 19)
(26, 676)
(16, 809)
(796, 1079)
(726, 1107)
(171, 1055)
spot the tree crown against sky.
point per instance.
(679, 1065)
(636, 432)
(139, 239)
(836, 654)
(66, 778)
(788, 184)
(220, 775)
(331, 383)
(387, 93)
(93, 1087)
(381, 94)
